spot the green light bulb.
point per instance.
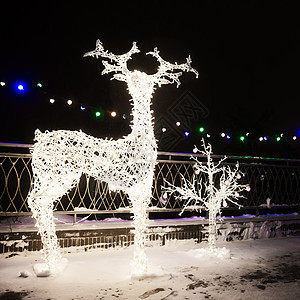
(242, 138)
(201, 129)
(98, 114)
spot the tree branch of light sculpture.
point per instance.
(221, 187)
(59, 158)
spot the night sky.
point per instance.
(246, 52)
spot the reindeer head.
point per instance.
(140, 83)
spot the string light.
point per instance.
(243, 138)
(97, 114)
(21, 87)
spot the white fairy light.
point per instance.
(2, 83)
(52, 100)
(69, 102)
(60, 157)
(221, 187)
(113, 114)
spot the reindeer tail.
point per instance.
(37, 135)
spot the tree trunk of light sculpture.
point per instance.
(60, 157)
(212, 224)
(222, 186)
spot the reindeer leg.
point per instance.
(140, 196)
(41, 202)
(41, 205)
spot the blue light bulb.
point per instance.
(20, 87)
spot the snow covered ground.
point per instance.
(257, 269)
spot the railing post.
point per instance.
(74, 218)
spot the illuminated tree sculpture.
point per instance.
(222, 187)
(60, 157)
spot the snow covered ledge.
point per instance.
(259, 227)
(119, 234)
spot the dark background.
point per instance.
(246, 53)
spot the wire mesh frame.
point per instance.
(277, 180)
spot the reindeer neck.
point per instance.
(142, 122)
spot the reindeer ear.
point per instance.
(120, 77)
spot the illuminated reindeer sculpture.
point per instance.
(59, 158)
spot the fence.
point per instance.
(276, 179)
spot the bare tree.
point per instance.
(222, 187)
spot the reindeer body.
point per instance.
(59, 158)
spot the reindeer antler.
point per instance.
(165, 77)
(120, 66)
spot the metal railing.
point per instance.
(277, 179)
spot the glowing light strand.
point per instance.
(60, 157)
(288, 135)
(221, 187)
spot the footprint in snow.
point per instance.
(151, 292)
